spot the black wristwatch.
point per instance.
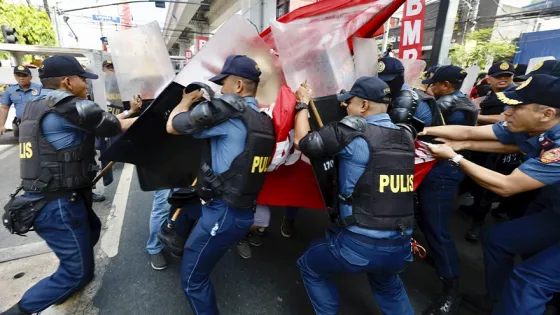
(300, 106)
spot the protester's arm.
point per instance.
(460, 132)
(490, 119)
(175, 127)
(135, 108)
(503, 185)
(301, 121)
(481, 146)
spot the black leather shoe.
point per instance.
(173, 242)
(15, 310)
(449, 302)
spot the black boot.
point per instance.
(473, 234)
(175, 243)
(448, 303)
(15, 310)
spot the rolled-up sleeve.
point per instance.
(6, 101)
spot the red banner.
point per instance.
(290, 180)
(412, 29)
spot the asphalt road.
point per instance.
(268, 283)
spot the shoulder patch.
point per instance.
(551, 156)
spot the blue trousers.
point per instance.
(436, 195)
(158, 217)
(341, 252)
(531, 284)
(219, 227)
(71, 231)
(531, 234)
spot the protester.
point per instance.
(62, 120)
(18, 94)
(230, 186)
(158, 217)
(532, 126)
(372, 230)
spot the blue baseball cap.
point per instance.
(388, 68)
(63, 66)
(501, 68)
(550, 67)
(22, 70)
(449, 73)
(241, 66)
(539, 89)
(369, 88)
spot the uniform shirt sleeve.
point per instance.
(6, 100)
(546, 173)
(213, 132)
(424, 113)
(503, 134)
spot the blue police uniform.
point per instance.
(355, 249)
(525, 288)
(436, 195)
(220, 225)
(381, 253)
(69, 229)
(16, 95)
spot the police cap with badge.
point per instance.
(448, 73)
(369, 88)
(107, 64)
(63, 66)
(539, 89)
(22, 70)
(550, 67)
(502, 68)
(389, 68)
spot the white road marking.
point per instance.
(111, 239)
(7, 152)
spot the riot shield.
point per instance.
(112, 93)
(470, 79)
(534, 62)
(365, 52)
(413, 69)
(168, 161)
(141, 61)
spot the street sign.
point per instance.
(106, 18)
(160, 4)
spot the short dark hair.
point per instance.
(456, 86)
(250, 86)
(52, 83)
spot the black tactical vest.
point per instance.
(43, 169)
(437, 117)
(240, 185)
(448, 104)
(383, 196)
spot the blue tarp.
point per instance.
(538, 44)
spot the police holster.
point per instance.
(20, 212)
(15, 126)
(211, 185)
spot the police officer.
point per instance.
(532, 126)
(437, 192)
(107, 66)
(500, 78)
(376, 218)
(241, 142)
(18, 94)
(405, 98)
(58, 165)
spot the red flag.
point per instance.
(327, 9)
(290, 180)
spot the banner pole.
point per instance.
(313, 108)
(103, 172)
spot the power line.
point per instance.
(133, 1)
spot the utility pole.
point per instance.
(47, 9)
(386, 35)
(444, 31)
(55, 17)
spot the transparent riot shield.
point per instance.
(470, 79)
(112, 93)
(365, 56)
(413, 69)
(141, 61)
